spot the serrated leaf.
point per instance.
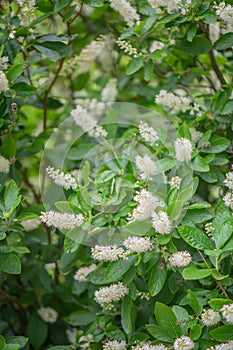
(116, 269)
(195, 332)
(157, 279)
(53, 50)
(217, 303)
(195, 237)
(126, 314)
(191, 273)
(15, 71)
(198, 46)
(10, 195)
(134, 65)
(138, 228)
(159, 333)
(10, 263)
(37, 331)
(222, 333)
(222, 225)
(217, 144)
(94, 3)
(224, 42)
(81, 318)
(167, 320)
(60, 4)
(9, 147)
(199, 164)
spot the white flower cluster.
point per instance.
(4, 85)
(109, 93)
(183, 149)
(148, 346)
(225, 13)
(183, 343)
(82, 273)
(171, 5)
(145, 165)
(4, 165)
(87, 122)
(48, 314)
(71, 335)
(228, 198)
(161, 222)
(107, 295)
(30, 224)
(147, 203)
(138, 244)
(175, 182)
(225, 346)
(107, 253)
(4, 62)
(27, 11)
(61, 220)
(94, 107)
(85, 341)
(176, 103)
(210, 317)
(67, 181)
(126, 11)
(148, 134)
(180, 259)
(227, 312)
(128, 48)
(115, 345)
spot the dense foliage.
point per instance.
(115, 173)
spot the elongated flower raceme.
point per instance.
(107, 295)
(228, 200)
(180, 259)
(126, 11)
(67, 181)
(183, 343)
(227, 312)
(210, 317)
(147, 203)
(115, 345)
(4, 85)
(149, 346)
(183, 149)
(148, 134)
(82, 273)
(145, 165)
(138, 244)
(228, 182)
(225, 13)
(107, 253)
(4, 165)
(109, 93)
(61, 220)
(161, 222)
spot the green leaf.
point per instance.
(116, 269)
(15, 71)
(22, 341)
(195, 237)
(53, 50)
(222, 225)
(23, 89)
(157, 55)
(199, 164)
(98, 276)
(94, 3)
(191, 300)
(134, 65)
(198, 46)
(8, 147)
(10, 263)
(138, 228)
(10, 195)
(217, 144)
(217, 303)
(126, 315)
(222, 333)
(191, 32)
(224, 42)
(81, 318)
(44, 6)
(37, 331)
(157, 279)
(60, 4)
(148, 70)
(195, 332)
(167, 320)
(191, 273)
(159, 333)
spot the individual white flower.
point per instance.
(175, 182)
(161, 222)
(4, 165)
(225, 346)
(228, 200)
(82, 273)
(180, 259)
(115, 345)
(85, 341)
(210, 317)
(61, 220)
(71, 335)
(156, 45)
(126, 11)
(107, 253)
(4, 85)
(48, 314)
(148, 134)
(149, 346)
(146, 166)
(138, 244)
(214, 31)
(229, 180)
(183, 343)
(225, 13)
(67, 181)
(12, 34)
(109, 93)
(4, 62)
(147, 203)
(107, 295)
(30, 224)
(83, 119)
(227, 312)
(183, 149)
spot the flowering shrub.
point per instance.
(116, 175)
